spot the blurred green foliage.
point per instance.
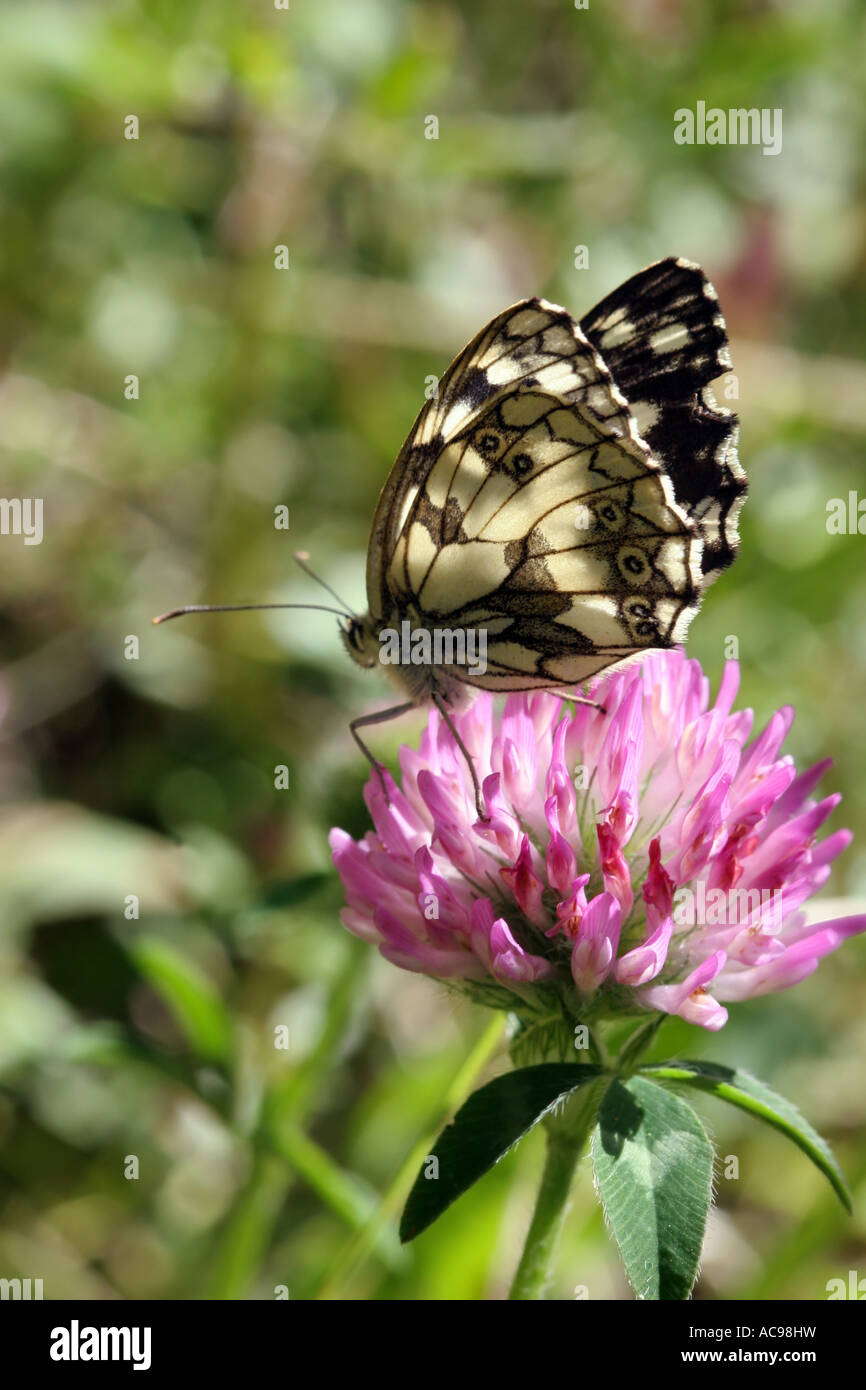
(154, 1036)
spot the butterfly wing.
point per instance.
(533, 344)
(557, 536)
(663, 338)
(572, 489)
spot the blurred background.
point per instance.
(163, 907)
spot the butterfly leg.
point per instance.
(585, 700)
(380, 717)
(577, 700)
(479, 799)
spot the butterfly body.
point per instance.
(403, 647)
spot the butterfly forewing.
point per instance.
(663, 337)
(533, 346)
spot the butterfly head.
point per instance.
(361, 642)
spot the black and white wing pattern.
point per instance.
(532, 345)
(664, 340)
(526, 501)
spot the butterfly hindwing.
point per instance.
(558, 537)
(533, 345)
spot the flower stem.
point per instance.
(566, 1138)
(361, 1245)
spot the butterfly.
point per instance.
(562, 502)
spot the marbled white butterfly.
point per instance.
(567, 494)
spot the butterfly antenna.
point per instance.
(302, 557)
(242, 608)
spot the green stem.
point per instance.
(248, 1230)
(566, 1138)
(343, 1192)
(362, 1245)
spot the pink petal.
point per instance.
(689, 998)
(526, 886)
(594, 950)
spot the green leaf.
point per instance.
(188, 994)
(742, 1089)
(654, 1169)
(483, 1130)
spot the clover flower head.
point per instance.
(645, 855)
